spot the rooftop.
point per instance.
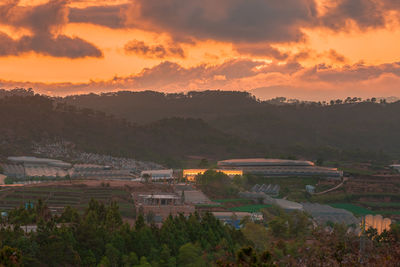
(264, 162)
(169, 172)
(35, 160)
(289, 205)
(160, 196)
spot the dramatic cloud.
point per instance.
(167, 75)
(108, 16)
(288, 45)
(153, 51)
(261, 50)
(350, 73)
(290, 80)
(235, 20)
(364, 13)
(43, 22)
(336, 57)
(225, 20)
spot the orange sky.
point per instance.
(325, 49)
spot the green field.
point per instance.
(242, 200)
(250, 208)
(382, 204)
(350, 198)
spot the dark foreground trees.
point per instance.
(98, 237)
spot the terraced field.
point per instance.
(58, 197)
(356, 210)
(363, 195)
(382, 204)
(239, 204)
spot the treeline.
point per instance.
(16, 92)
(98, 237)
(349, 129)
(210, 124)
(28, 119)
(149, 106)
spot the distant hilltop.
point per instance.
(170, 128)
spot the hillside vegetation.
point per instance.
(28, 119)
(349, 129)
(169, 128)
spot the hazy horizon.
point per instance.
(260, 93)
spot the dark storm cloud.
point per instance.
(44, 22)
(365, 13)
(226, 20)
(251, 25)
(391, 4)
(7, 45)
(39, 19)
(60, 46)
(251, 21)
(108, 16)
(153, 51)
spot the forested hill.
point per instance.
(28, 119)
(148, 106)
(168, 127)
(348, 129)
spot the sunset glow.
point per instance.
(304, 49)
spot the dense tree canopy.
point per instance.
(98, 237)
(212, 124)
(345, 129)
(27, 119)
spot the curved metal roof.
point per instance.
(264, 162)
(35, 160)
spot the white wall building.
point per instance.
(158, 174)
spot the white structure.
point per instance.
(160, 199)
(377, 222)
(324, 213)
(396, 167)
(34, 161)
(158, 174)
(22, 167)
(288, 205)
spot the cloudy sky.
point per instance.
(308, 49)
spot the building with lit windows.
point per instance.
(190, 174)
